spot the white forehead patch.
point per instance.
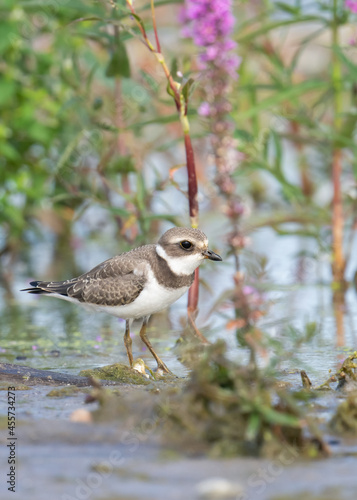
(184, 265)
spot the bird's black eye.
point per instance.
(186, 244)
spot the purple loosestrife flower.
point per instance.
(204, 109)
(210, 24)
(351, 5)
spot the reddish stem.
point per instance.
(192, 181)
(158, 47)
(306, 183)
(190, 158)
(193, 293)
(192, 302)
(338, 262)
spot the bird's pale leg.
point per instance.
(144, 338)
(128, 343)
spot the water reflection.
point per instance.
(36, 326)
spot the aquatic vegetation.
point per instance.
(118, 372)
(65, 392)
(93, 137)
(227, 409)
(346, 375)
(345, 418)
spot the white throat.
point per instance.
(184, 265)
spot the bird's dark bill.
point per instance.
(211, 255)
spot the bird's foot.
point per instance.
(162, 370)
(140, 366)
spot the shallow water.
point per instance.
(56, 335)
(42, 332)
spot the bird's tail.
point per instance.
(48, 287)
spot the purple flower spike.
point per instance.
(248, 290)
(351, 5)
(204, 109)
(210, 24)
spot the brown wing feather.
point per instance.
(112, 282)
(108, 291)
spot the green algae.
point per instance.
(306, 382)
(18, 387)
(65, 392)
(117, 372)
(3, 422)
(327, 494)
(105, 468)
(347, 374)
(226, 410)
(345, 418)
(223, 409)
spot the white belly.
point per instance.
(153, 298)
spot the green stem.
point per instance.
(336, 70)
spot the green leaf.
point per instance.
(140, 192)
(278, 418)
(253, 426)
(281, 95)
(7, 91)
(277, 149)
(8, 34)
(65, 157)
(122, 212)
(121, 165)
(270, 26)
(351, 67)
(243, 135)
(174, 67)
(160, 119)
(9, 152)
(169, 90)
(119, 62)
(288, 8)
(168, 217)
(185, 91)
(139, 20)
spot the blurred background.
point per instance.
(92, 163)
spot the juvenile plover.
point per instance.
(136, 284)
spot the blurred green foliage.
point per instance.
(58, 129)
(82, 110)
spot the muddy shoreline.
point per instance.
(74, 460)
(126, 457)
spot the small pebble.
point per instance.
(139, 366)
(218, 488)
(81, 415)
